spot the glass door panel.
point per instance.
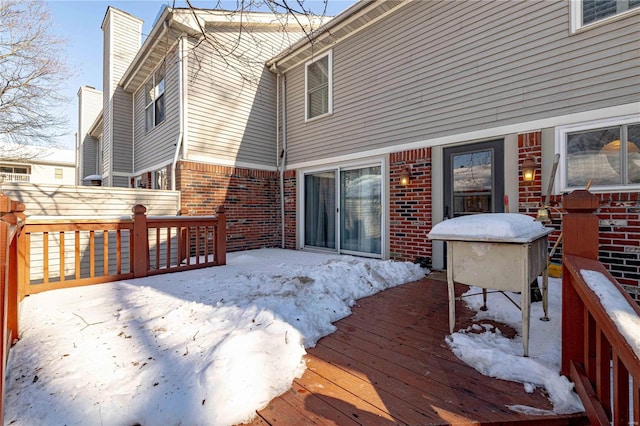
(361, 210)
(473, 179)
(320, 209)
(472, 182)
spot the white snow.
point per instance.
(620, 311)
(208, 346)
(488, 226)
(491, 353)
(211, 346)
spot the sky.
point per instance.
(79, 23)
(158, 350)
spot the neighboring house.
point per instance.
(192, 113)
(458, 94)
(39, 165)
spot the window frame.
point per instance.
(329, 56)
(576, 18)
(158, 94)
(562, 132)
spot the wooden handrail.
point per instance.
(601, 362)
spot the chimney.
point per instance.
(122, 34)
(89, 108)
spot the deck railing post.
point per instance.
(580, 230)
(220, 251)
(140, 247)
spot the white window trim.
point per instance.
(330, 86)
(575, 17)
(561, 185)
(152, 103)
(337, 166)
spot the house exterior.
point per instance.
(392, 117)
(455, 96)
(191, 109)
(32, 164)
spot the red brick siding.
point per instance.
(619, 216)
(410, 206)
(290, 216)
(529, 193)
(250, 196)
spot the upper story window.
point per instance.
(14, 169)
(154, 99)
(319, 86)
(586, 12)
(595, 153)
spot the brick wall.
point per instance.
(250, 196)
(290, 215)
(410, 206)
(619, 216)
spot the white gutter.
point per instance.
(282, 154)
(179, 140)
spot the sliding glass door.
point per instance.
(320, 209)
(345, 217)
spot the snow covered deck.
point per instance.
(388, 363)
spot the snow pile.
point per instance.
(495, 355)
(208, 346)
(488, 226)
(620, 311)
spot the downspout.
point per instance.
(181, 114)
(281, 130)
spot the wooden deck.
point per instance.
(388, 363)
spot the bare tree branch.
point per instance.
(32, 72)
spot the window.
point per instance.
(587, 12)
(154, 99)
(14, 169)
(160, 179)
(58, 173)
(596, 154)
(318, 87)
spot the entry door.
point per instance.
(473, 179)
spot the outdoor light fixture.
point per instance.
(543, 215)
(528, 168)
(405, 176)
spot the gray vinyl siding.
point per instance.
(90, 107)
(122, 41)
(89, 158)
(433, 69)
(231, 106)
(122, 152)
(158, 145)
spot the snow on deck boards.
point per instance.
(388, 363)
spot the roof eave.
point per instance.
(334, 31)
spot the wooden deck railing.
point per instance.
(51, 253)
(602, 363)
(66, 252)
(11, 222)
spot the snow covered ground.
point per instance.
(211, 346)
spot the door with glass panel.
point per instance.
(343, 210)
(473, 179)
